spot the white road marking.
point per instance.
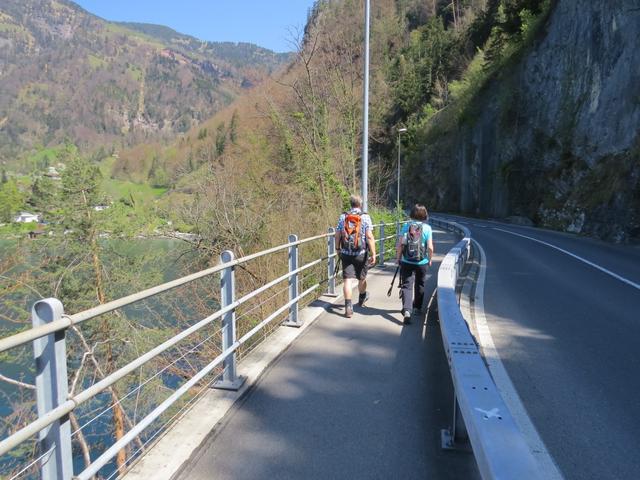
(594, 265)
(501, 378)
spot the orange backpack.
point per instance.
(351, 240)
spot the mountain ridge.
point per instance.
(246, 50)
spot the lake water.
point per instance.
(169, 257)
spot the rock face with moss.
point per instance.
(554, 135)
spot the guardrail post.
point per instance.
(229, 380)
(293, 284)
(460, 434)
(52, 390)
(456, 437)
(381, 248)
(331, 263)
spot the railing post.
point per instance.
(229, 380)
(293, 321)
(331, 263)
(381, 248)
(52, 390)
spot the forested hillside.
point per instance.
(288, 153)
(67, 75)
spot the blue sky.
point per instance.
(264, 22)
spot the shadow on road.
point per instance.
(358, 398)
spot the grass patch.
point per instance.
(31, 93)
(135, 72)
(125, 190)
(45, 157)
(134, 35)
(9, 27)
(96, 62)
(9, 229)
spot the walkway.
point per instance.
(355, 398)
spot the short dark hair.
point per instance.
(419, 212)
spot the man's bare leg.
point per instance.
(348, 304)
(346, 288)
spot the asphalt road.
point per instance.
(358, 398)
(568, 335)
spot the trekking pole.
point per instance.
(335, 272)
(394, 279)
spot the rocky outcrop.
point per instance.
(555, 138)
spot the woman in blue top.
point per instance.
(414, 252)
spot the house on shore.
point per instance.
(53, 173)
(26, 217)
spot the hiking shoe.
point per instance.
(406, 317)
(348, 310)
(363, 298)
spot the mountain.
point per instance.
(67, 75)
(284, 157)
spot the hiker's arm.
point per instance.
(338, 234)
(372, 245)
(430, 249)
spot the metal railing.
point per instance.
(50, 324)
(480, 414)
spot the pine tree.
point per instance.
(233, 127)
(80, 192)
(221, 139)
(43, 194)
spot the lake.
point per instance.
(167, 259)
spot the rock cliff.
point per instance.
(555, 137)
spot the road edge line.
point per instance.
(502, 380)
(577, 257)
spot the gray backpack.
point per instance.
(413, 247)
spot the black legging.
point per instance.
(412, 279)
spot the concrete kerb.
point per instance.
(168, 455)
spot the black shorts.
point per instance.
(354, 266)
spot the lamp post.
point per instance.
(400, 131)
(365, 121)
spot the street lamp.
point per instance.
(365, 120)
(400, 131)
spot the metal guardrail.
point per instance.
(480, 413)
(48, 337)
